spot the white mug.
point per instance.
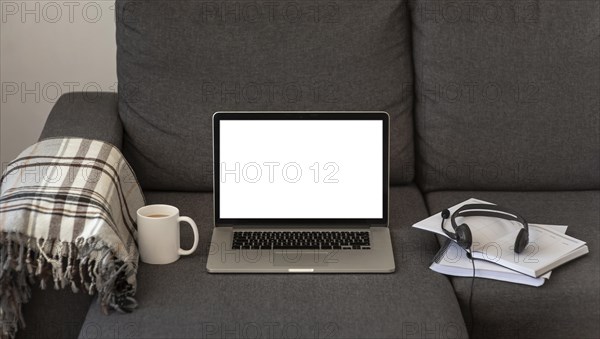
(158, 234)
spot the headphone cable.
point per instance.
(470, 256)
(445, 215)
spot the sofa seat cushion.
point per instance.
(178, 62)
(183, 300)
(567, 305)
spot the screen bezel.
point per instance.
(219, 116)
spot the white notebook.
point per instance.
(451, 259)
(493, 241)
(449, 262)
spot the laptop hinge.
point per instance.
(298, 226)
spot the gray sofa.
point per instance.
(497, 100)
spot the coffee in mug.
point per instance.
(157, 216)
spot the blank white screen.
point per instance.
(301, 169)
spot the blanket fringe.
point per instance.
(87, 265)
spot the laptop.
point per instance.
(301, 192)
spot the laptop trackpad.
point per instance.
(300, 258)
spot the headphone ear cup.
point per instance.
(521, 241)
(463, 236)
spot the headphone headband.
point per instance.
(487, 210)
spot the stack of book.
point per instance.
(492, 249)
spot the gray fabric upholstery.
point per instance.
(180, 61)
(85, 115)
(566, 306)
(182, 300)
(54, 314)
(506, 94)
(506, 98)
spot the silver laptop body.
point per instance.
(301, 192)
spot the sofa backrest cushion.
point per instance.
(180, 61)
(507, 94)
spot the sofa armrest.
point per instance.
(85, 115)
(60, 314)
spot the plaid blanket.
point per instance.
(67, 218)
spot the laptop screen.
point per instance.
(301, 169)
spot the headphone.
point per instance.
(462, 233)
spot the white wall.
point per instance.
(48, 48)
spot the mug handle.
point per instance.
(196, 237)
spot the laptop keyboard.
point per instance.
(351, 240)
